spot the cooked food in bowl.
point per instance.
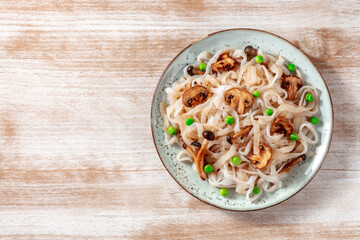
(243, 117)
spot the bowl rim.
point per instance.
(331, 129)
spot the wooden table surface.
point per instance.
(77, 160)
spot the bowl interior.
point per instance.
(186, 176)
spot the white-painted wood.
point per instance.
(77, 159)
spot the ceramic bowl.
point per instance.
(183, 173)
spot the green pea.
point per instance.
(269, 111)
(291, 67)
(309, 97)
(208, 168)
(229, 120)
(236, 160)
(171, 130)
(314, 120)
(224, 192)
(202, 67)
(256, 190)
(256, 93)
(189, 121)
(294, 136)
(259, 59)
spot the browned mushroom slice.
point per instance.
(224, 63)
(281, 125)
(239, 99)
(191, 70)
(199, 161)
(242, 133)
(292, 163)
(223, 56)
(292, 84)
(262, 159)
(195, 96)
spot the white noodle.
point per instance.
(211, 114)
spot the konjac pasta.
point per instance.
(243, 117)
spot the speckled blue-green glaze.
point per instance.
(183, 172)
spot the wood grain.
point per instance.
(77, 159)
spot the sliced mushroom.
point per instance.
(242, 133)
(223, 56)
(191, 70)
(281, 125)
(262, 159)
(292, 163)
(239, 99)
(199, 161)
(195, 96)
(292, 84)
(224, 63)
